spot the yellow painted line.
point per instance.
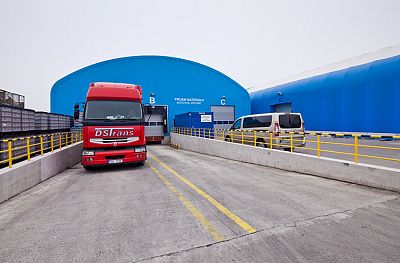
(248, 228)
(195, 212)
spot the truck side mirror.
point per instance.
(76, 112)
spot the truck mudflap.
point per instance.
(113, 157)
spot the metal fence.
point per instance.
(353, 146)
(24, 148)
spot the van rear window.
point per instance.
(289, 121)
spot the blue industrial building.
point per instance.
(180, 85)
(361, 98)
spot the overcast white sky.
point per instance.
(253, 42)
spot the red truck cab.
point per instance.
(113, 125)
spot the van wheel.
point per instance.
(261, 143)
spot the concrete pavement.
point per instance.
(201, 208)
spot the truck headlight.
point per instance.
(140, 149)
(87, 152)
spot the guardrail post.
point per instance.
(10, 154)
(60, 140)
(223, 135)
(291, 142)
(242, 137)
(356, 149)
(270, 140)
(319, 145)
(28, 149)
(209, 133)
(255, 138)
(72, 137)
(204, 132)
(66, 138)
(52, 142)
(232, 139)
(41, 145)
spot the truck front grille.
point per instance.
(113, 140)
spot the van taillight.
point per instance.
(276, 129)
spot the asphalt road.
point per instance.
(187, 207)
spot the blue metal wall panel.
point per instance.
(173, 81)
(193, 120)
(363, 98)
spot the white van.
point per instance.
(278, 124)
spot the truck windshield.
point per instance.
(113, 110)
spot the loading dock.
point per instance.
(156, 122)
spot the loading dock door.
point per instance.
(155, 118)
(224, 116)
(283, 107)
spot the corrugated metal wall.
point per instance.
(363, 98)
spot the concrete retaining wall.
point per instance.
(370, 175)
(27, 174)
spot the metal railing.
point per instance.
(16, 149)
(318, 143)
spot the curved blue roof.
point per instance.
(168, 78)
(364, 98)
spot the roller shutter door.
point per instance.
(224, 116)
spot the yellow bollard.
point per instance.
(28, 149)
(41, 145)
(10, 154)
(52, 143)
(356, 149)
(255, 138)
(270, 140)
(209, 133)
(242, 137)
(291, 142)
(223, 135)
(59, 136)
(319, 145)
